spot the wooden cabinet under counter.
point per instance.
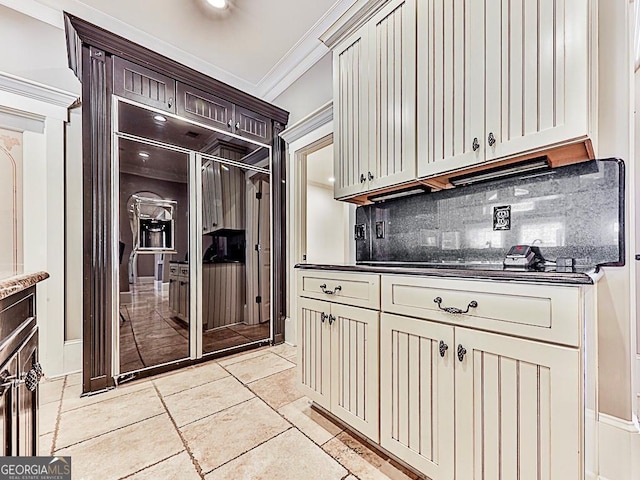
(475, 376)
(20, 370)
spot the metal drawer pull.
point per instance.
(323, 287)
(461, 352)
(443, 348)
(362, 178)
(370, 176)
(491, 139)
(454, 310)
(323, 317)
(476, 144)
(331, 319)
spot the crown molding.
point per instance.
(302, 56)
(308, 124)
(353, 18)
(36, 91)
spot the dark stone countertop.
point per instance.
(12, 285)
(475, 272)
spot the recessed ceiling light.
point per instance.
(332, 179)
(143, 154)
(160, 118)
(217, 3)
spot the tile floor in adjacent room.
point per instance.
(150, 333)
(240, 417)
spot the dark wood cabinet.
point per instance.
(20, 374)
(211, 110)
(204, 108)
(143, 85)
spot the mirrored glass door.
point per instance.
(236, 260)
(195, 239)
(154, 273)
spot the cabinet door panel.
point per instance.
(350, 106)
(537, 60)
(204, 107)
(314, 350)
(28, 401)
(354, 368)
(143, 85)
(450, 85)
(393, 148)
(8, 431)
(517, 408)
(416, 392)
(252, 125)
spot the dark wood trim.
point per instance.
(279, 284)
(114, 44)
(97, 260)
(91, 51)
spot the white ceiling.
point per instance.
(259, 46)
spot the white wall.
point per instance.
(34, 50)
(309, 92)
(326, 220)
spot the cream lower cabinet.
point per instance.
(416, 393)
(517, 404)
(517, 408)
(338, 361)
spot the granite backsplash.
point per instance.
(576, 211)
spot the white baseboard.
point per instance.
(72, 356)
(290, 335)
(618, 448)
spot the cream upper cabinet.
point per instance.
(375, 102)
(498, 79)
(517, 408)
(416, 393)
(338, 361)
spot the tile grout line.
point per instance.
(292, 426)
(111, 431)
(110, 398)
(194, 461)
(252, 448)
(58, 415)
(188, 388)
(219, 411)
(152, 465)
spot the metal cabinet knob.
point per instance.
(476, 144)
(323, 317)
(491, 139)
(461, 352)
(331, 319)
(230, 123)
(237, 125)
(370, 175)
(362, 178)
(443, 347)
(170, 102)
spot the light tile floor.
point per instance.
(241, 417)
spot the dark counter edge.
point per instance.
(498, 275)
(12, 285)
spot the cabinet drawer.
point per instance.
(548, 313)
(204, 107)
(143, 85)
(184, 272)
(360, 290)
(173, 269)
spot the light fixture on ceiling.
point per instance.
(143, 154)
(218, 3)
(332, 179)
(160, 118)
